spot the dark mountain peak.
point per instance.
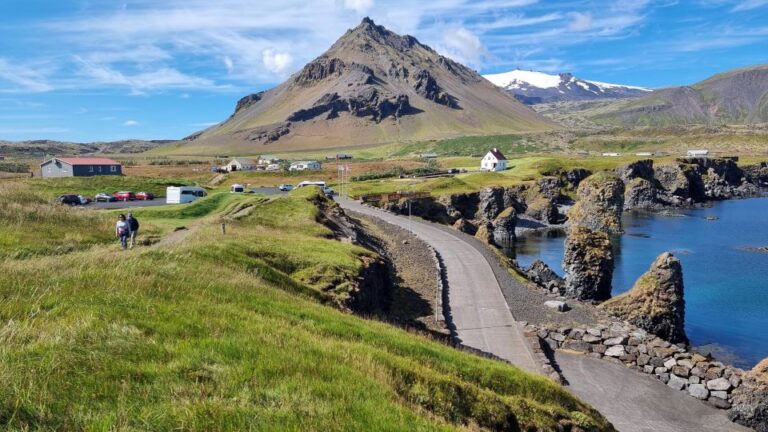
(368, 33)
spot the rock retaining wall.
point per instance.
(699, 376)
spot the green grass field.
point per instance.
(228, 332)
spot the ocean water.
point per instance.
(726, 285)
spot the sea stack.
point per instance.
(588, 264)
(656, 303)
(599, 203)
(750, 400)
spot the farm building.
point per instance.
(268, 160)
(241, 164)
(305, 166)
(698, 153)
(80, 167)
(611, 154)
(493, 161)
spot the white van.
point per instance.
(237, 188)
(311, 183)
(183, 194)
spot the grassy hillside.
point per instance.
(231, 332)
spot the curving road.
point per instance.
(478, 312)
(633, 402)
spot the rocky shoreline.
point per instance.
(643, 329)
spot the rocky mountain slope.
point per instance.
(372, 86)
(41, 148)
(735, 97)
(532, 87)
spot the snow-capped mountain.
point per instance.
(537, 87)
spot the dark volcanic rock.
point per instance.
(320, 69)
(588, 264)
(656, 303)
(491, 203)
(599, 204)
(757, 174)
(369, 102)
(574, 177)
(504, 226)
(639, 169)
(750, 400)
(464, 226)
(426, 86)
(639, 193)
(248, 101)
(269, 133)
(540, 274)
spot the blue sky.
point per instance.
(89, 70)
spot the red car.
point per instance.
(124, 196)
(145, 196)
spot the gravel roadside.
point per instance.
(414, 273)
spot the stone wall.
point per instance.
(699, 376)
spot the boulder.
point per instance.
(615, 351)
(720, 384)
(504, 226)
(639, 194)
(698, 391)
(465, 226)
(541, 274)
(676, 382)
(599, 204)
(588, 264)
(485, 233)
(573, 177)
(491, 204)
(656, 302)
(750, 399)
(557, 305)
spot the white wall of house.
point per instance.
(305, 166)
(490, 163)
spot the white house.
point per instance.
(644, 154)
(611, 154)
(698, 153)
(305, 166)
(268, 160)
(493, 161)
(241, 164)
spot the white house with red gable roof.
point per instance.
(493, 161)
(80, 167)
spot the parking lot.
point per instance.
(126, 204)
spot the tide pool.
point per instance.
(726, 284)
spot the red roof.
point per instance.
(88, 161)
(497, 154)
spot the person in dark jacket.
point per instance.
(134, 224)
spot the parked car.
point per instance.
(145, 196)
(285, 187)
(328, 192)
(84, 200)
(124, 196)
(454, 171)
(104, 197)
(70, 199)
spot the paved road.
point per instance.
(478, 311)
(634, 402)
(127, 205)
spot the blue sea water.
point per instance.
(726, 285)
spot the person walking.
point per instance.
(123, 231)
(133, 223)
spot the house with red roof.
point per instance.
(493, 161)
(80, 167)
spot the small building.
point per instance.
(644, 154)
(340, 156)
(428, 155)
(241, 164)
(305, 166)
(493, 161)
(698, 153)
(80, 167)
(268, 160)
(611, 154)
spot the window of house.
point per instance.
(113, 168)
(90, 168)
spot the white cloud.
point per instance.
(463, 46)
(229, 64)
(359, 6)
(23, 78)
(277, 62)
(129, 123)
(580, 21)
(749, 5)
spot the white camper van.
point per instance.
(183, 194)
(237, 188)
